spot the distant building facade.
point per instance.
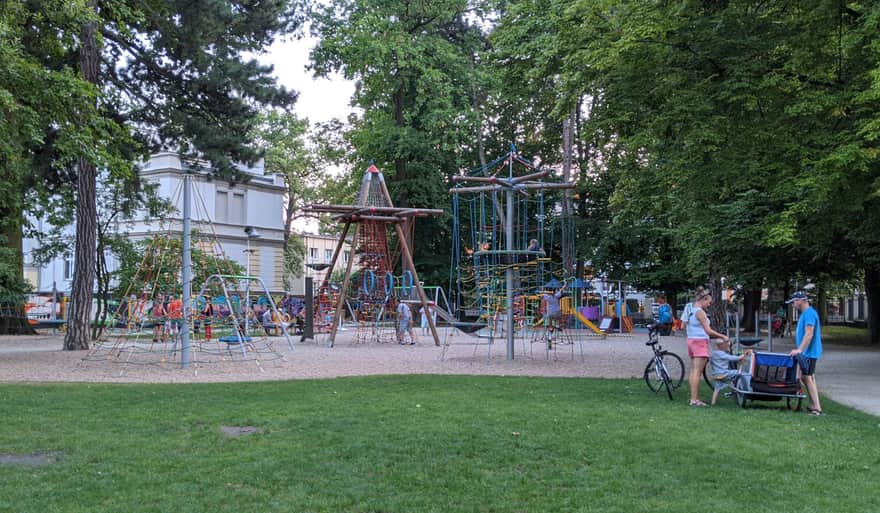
(319, 252)
(227, 209)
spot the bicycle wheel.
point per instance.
(674, 368)
(706, 377)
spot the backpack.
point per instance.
(664, 314)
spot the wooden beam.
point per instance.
(407, 256)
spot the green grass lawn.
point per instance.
(845, 335)
(427, 443)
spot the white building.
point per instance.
(319, 250)
(216, 205)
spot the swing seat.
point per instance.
(233, 340)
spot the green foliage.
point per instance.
(284, 139)
(427, 443)
(725, 132)
(154, 267)
(100, 84)
(13, 286)
(294, 260)
(414, 69)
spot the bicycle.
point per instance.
(665, 369)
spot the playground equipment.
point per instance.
(501, 258)
(372, 214)
(159, 320)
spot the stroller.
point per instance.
(774, 376)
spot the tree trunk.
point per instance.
(102, 279)
(716, 310)
(872, 291)
(77, 336)
(751, 303)
(786, 291)
(567, 147)
(822, 305)
(14, 239)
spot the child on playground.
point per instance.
(159, 314)
(175, 317)
(423, 313)
(719, 367)
(552, 310)
(404, 324)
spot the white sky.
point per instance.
(319, 99)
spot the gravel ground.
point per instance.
(40, 359)
(848, 375)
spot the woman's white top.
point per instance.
(694, 326)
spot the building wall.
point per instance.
(262, 207)
(849, 309)
(319, 250)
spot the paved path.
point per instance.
(850, 376)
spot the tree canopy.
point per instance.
(711, 139)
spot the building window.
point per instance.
(313, 252)
(345, 256)
(68, 267)
(236, 209)
(221, 207)
(328, 255)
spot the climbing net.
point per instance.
(146, 327)
(539, 247)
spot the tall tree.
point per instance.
(412, 63)
(294, 153)
(165, 73)
(755, 117)
(43, 104)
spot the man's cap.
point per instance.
(796, 296)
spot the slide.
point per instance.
(579, 316)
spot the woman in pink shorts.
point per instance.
(698, 334)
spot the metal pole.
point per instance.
(508, 274)
(186, 272)
(739, 348)
(770, 331)
(247, 289)
(308, 326)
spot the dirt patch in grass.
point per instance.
(239, 431)
(34, 459)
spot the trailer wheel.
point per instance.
(793, 403)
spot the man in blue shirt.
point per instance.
(808, 339)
